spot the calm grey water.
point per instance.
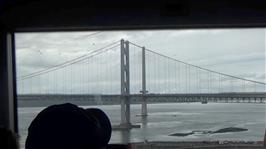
(168, 118)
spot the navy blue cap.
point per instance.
(67, 126)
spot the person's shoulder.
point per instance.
(8, 139)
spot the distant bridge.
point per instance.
(124, 72)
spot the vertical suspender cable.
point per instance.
(189, 79)
(175, 76)
(179, 76)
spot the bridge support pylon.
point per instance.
(125, 85)
(125, 89)
(144, 111)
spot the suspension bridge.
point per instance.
(124, 72)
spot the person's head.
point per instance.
(8, 139)
(67, 126)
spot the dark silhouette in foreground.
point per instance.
(8, 139)
(67, 126)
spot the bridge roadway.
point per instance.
(244, 97)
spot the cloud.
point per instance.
(232, 59)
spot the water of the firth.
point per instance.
(168, 118)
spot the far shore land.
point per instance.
(45, 103)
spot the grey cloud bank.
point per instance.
(240, 52)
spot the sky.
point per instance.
(238, 52)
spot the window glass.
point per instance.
(181, 85)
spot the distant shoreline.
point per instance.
(221, 144)
(38, 103)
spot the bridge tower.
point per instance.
(125, 85)
(143, 91)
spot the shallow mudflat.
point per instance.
(223, 130)
(230, 129)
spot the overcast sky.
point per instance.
(239, 52)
